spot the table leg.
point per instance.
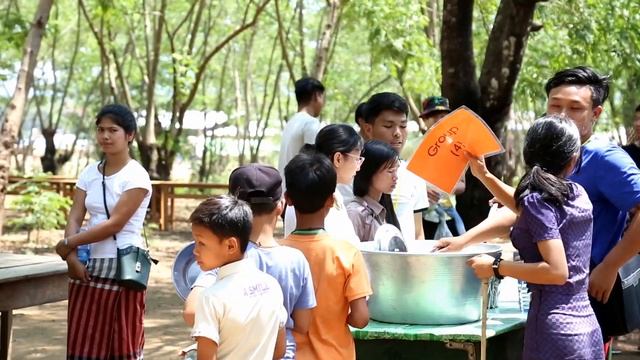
(466, 346)
(171, 208)
(163, 204)
(6, 322)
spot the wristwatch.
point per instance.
(496, 268)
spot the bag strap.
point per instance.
(106, 209)
(104, 191)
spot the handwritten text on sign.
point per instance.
(440, 157)
(446, 138)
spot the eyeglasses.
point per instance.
(358, 159)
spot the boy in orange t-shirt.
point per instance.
(339, 274)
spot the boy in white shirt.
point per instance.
(240, 316)
(385, 119)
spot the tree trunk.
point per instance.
(48, 160)
(15, 109)
(325, 39)
(492, 95)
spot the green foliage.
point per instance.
(604, 35)
(41, 209)
(380, 42)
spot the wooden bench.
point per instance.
(27, 280)
(165, 194)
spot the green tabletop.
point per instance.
(505, 318)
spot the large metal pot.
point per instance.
(424, 287)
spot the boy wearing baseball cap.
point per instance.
(261, 187)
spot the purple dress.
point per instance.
(561, 323)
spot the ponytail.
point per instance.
(552, 188)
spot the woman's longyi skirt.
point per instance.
(105, 321)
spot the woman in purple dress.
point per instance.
(553, 235)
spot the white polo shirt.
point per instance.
(301, 129)
(409, 197)
(241, 312)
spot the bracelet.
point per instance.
(65, 241)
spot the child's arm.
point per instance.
(189, 312)
(204, 280)
(359, 315)
(281, 344)
(419, 231)
(301, 320)
(207, 349)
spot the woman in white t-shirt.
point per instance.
(106, 320)
(342, 145)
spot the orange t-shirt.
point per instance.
(339, 277)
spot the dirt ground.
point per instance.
(40, 332)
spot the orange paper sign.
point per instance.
(440, 158)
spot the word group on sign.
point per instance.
(457, 147)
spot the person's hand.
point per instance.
(76, 270)
(482, 265)
(447, 244)
(63, 249)
(601, 281)
(495, 201)
(477, 165)
(433, 195)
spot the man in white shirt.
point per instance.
(304, 125)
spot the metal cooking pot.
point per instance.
(424, 287)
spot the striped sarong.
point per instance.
(105, 321)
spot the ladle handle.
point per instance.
(483, 328)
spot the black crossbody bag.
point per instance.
(133, 263)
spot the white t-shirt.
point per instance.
(409, 197)
(337, 223)
(301, 129)
(241, 312)
(131, 176)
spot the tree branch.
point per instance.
(72, 67)
(285, 53)
(203, 66)
(364, 96)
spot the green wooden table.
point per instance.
(505, 335)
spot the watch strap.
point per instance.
(496, 268)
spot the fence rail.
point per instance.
(165, 193)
